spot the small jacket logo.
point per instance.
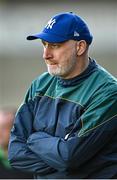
(50, 24)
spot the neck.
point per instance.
(83, 64)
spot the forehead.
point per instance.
(61, 43)
(46, 42)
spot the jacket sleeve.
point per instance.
(98, 129)
(19, 155)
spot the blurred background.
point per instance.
(21, 60)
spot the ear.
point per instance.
(81, 47)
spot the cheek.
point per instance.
(68, 57)
(63, 58)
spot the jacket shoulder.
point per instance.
(38, 85)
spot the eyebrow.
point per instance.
(52, 43)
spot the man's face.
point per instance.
(61, 58)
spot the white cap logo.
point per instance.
(76, 34)
(50, 24)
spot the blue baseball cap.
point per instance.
(63, 27)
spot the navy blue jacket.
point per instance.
(68, 128)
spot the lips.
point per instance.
(50, 63)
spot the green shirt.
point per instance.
(4, 159)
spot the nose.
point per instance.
(47, 54)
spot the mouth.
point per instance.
(50, 63)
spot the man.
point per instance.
(67, 125)
(6, 120)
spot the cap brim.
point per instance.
(52, 38)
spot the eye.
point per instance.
(51, 45)
(55, 45)
(44, 44)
